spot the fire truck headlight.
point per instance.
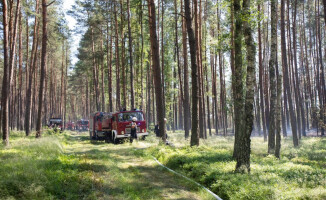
(122, 132)
(143, 131)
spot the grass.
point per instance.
(299, 174)
(69, 166)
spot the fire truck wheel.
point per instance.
(116, 141)
(107, 138)
(96, 136)
(143, 137)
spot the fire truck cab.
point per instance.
(56, 123)
(116, 126)
(82, 125)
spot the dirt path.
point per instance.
(121, 174)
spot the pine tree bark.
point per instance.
(278, 113)
(296, 83)
(222, 85)
(177, 53)
(43, 69)
(321, 73)
(186, 103)
(123, 67)
(62, 79)
(156, 69)
(20, 75)
(272, 79)
(95, 72)
(109, 63)
(13, 27)
(286, 77)
(32, 64)
(6, 81)
(198, 60)
(194, 75)
(118, 106)
(324, 2)
(261, 86)
(13, 41)
(102, 73)
(284, 63)
(131, 59)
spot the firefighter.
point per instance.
(157, 128)
(133, 132)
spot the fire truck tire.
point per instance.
(107, 137)
(116, 141)
(143, 138)
(96, 136)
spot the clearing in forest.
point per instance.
(70, 166)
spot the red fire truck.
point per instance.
(56, 123)
(82, 125)
(116, 126)
(70, 125)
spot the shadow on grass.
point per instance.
(58, 178)
(151, 182)
(179, 160)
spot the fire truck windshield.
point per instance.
(84, 122)
(123, 117)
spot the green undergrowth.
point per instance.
(39, 169)
(299, 174)
(69, 166)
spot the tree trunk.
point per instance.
(109, 63)
(156, 69)
(131, 59)
(186, 103)
(31, 72)
(272, 79)
(20, 75)
(43, 69)
(102, 73)
(237, 84)
(261, 86)
(194, 75)
(278, 112)
(324, 1)
(118, 106)
(286, 78)
(243, 157)
(62, 79)
(6, 81)
(95, 72)
(181, 91)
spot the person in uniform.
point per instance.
(133, 133)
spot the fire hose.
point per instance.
(212, 193)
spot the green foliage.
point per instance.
(299, 174)
(69, 166)
(38, 169)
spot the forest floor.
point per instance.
(70, 166)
